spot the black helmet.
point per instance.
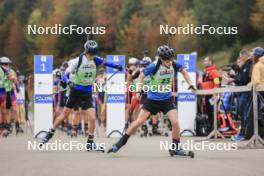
(91, 47)
(165, 52)
(146, 52)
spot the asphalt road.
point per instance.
(141, 156)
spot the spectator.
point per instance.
(258, 72)
(211, 79)
(257, 78)
(257, 53)
(242, 78)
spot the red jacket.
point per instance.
(211, 78)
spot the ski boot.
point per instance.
(19, 130)
(5, 133)
(91, 146)
(116, 147)
(48, 136)
(181, 152)
(73, 133)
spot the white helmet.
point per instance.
(57, 73)
(147, 59)
(5, 60)
(132, 61)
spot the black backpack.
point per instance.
(158, 66)
(80, 62)
(201, 125)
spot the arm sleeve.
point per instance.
(72, 66)
(178, 66)
(243, 76)
(100, 60)
(136, 75)
(149, 69)
(256, 75)
(216, 78)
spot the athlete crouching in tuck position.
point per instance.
(80, 96)
(161, 72)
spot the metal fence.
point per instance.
(256, 141)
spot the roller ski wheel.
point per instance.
(19, 130)
(144, 130)
(5, 133)
(65, 129)
(141, 135)
(181, 153)
(150, 134)
(73, 134)
(86, 134)
(68, 133)
(92, 147)
(80, 132)
(166, 134)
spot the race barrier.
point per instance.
(43, 87)
(186, 99)
(256, 141)
(115, 99)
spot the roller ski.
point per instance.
(45, 136)
(92, 147)
(5, 133)
(181, 152)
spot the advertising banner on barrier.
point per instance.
(43, 86)
(187, 99)
(115, 97)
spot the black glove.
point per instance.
(119, 67)
(129, 71)
(17, 88)
(192, 88)
(138, 95)
(63, 84)
(70, 84)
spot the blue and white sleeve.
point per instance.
(100, 60)
(149, 69)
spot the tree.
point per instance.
(15, 46)
(257, 17)
(80, 13)
(130, 38)
(106, 14)
(224, 13)
(129, 8)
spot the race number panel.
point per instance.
(115, 99)
(43, 84)
(187, 99)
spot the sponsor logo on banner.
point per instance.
(115, 98)
(119, 60)
(186, 97)
(43, 99)
(43, 64)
